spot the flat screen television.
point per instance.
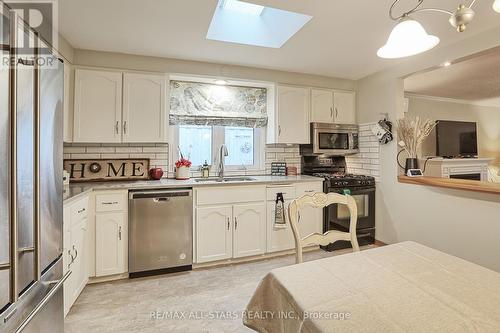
(456, 139)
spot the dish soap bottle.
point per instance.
(205, 170)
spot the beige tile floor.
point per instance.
(127, 305)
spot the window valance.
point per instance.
(195, 103)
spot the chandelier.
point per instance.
(409, 37)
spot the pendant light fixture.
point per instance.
(409, 37)
(406, 39)
(496, 6)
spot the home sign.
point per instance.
(106, 170)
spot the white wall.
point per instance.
(166, 65)
(464, 224)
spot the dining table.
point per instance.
(403, 287)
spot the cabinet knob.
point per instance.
(336, 113)
(117, 127)
(120, 233)
(235, 223)
(228, 223)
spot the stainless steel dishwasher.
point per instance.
(160, 231)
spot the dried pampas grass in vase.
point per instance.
(411, 135)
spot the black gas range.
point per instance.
(337, 180)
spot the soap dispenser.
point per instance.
(205, 170)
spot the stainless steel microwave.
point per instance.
(332, 139)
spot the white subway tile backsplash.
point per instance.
(128, 150)
(114, 156)
(282, 153)
(367, 161)
(74, 150)
(85, 156)
(160, 149)
(100, 150)
(158, 153)
(145, 155)
(271, 149)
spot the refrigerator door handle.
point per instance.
(45, 300)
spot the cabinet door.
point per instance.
(213, 233)
(311, 219)
(249, 236)
(79, 246)
(345, 107)
(279, 238)
(111, 242)
(78, 265)
(144, 111)
(322, 105)
(293, 115)
(98, 106)
(69, 284)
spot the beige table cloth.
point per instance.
(405, 287)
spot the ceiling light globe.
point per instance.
(496, 6)
(407, 38)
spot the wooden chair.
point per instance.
(321, 200)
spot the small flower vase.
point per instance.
(182, 173)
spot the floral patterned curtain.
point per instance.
(194, 103)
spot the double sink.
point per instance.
(224, 180)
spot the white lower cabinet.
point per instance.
(280, 237)
(237, 222)
(311, 219)
(249, 230)
(111, 233)
(233, 230)
(214, 235)
(75, 254)
(111, 242)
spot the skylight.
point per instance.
(241, 22)
(242, 7)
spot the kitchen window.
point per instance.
(202, 143)
(204, 116)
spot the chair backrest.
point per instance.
(321, 200)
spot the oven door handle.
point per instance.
(354, 191)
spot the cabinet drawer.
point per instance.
(110, 202)
(308, 188)
(224, 195)
(287, 190)
(79, 210)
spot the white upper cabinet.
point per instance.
(144, 108)
(332, 106)
(344, 105)
(105, 113)
(293, 115)
(98, 106)
(322, 106)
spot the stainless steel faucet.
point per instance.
(222, 153)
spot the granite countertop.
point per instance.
(75, 190)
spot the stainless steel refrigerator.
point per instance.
(31, 98)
